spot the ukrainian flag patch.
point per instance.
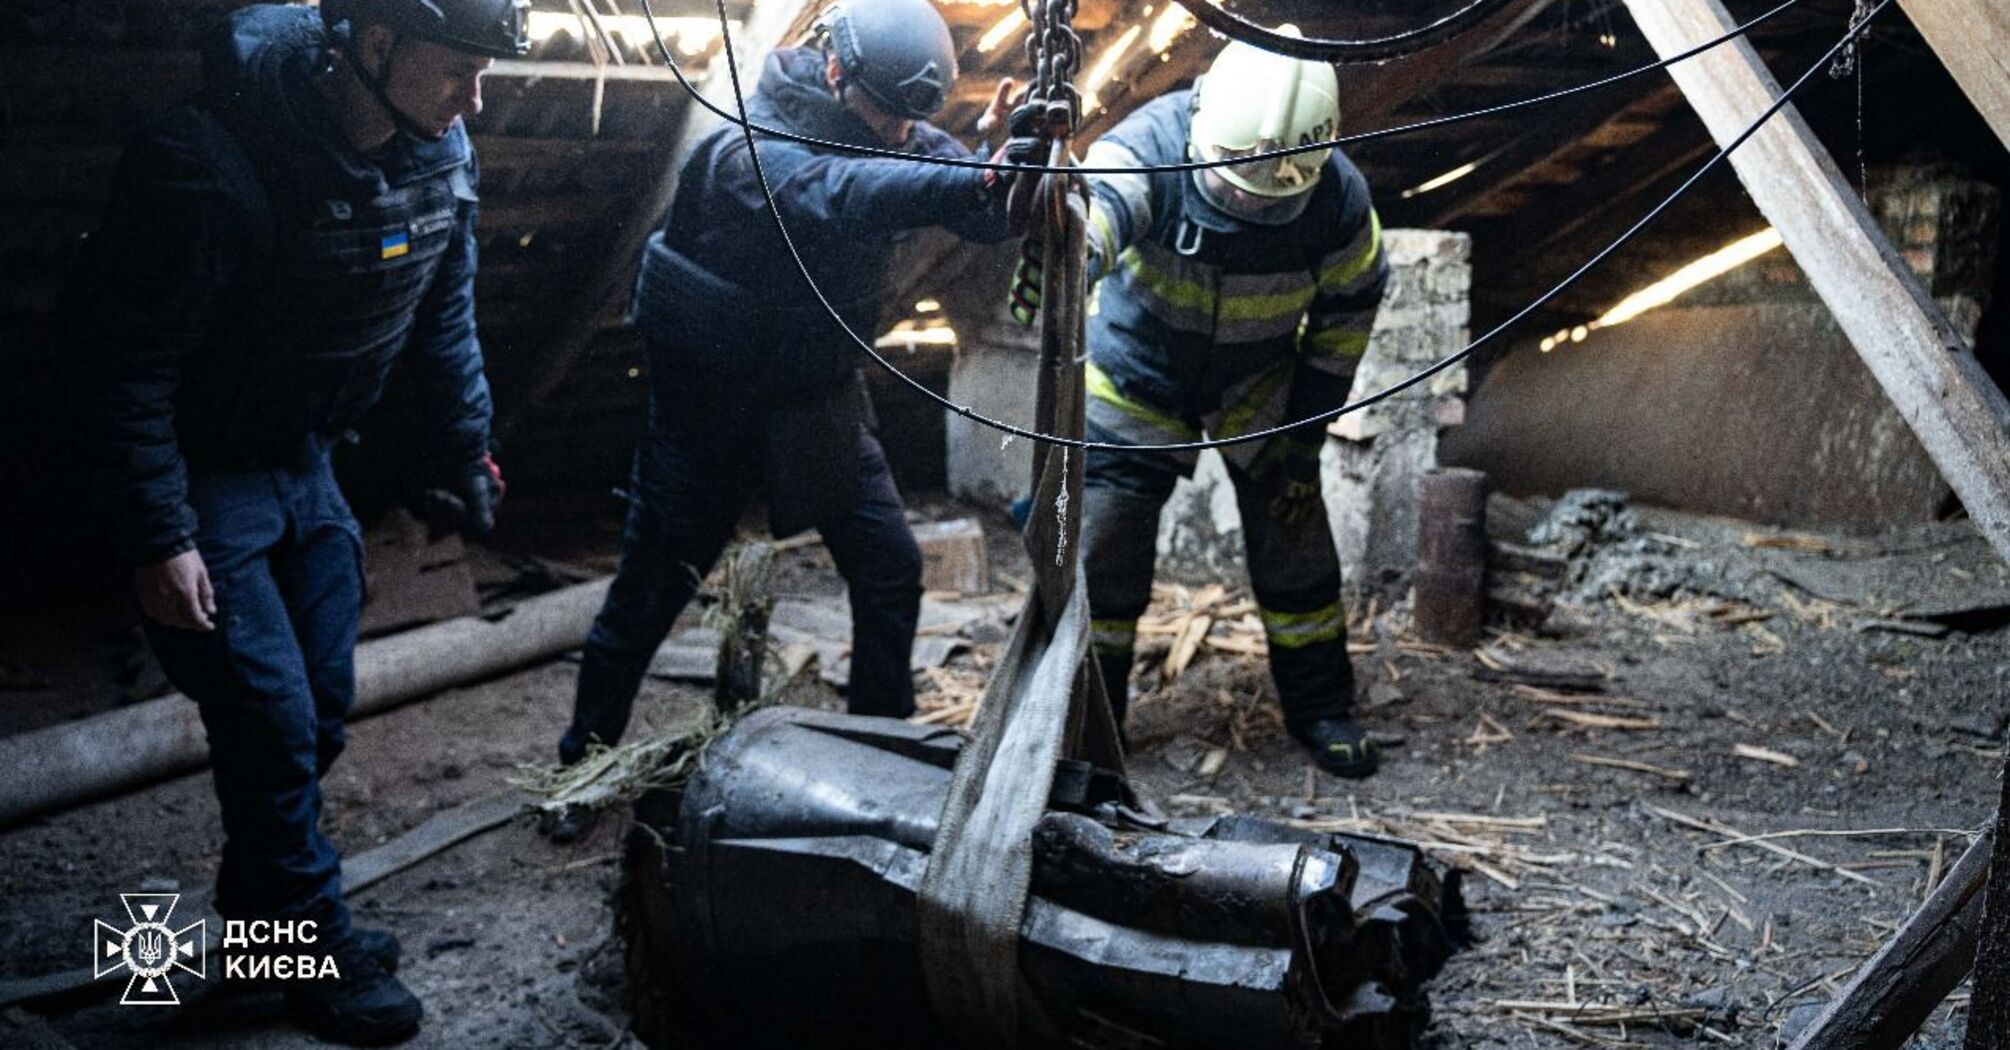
(394, 245)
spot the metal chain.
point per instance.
(1053, 104)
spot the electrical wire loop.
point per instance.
(781, 225)
(1034, 166)
(1372, 49)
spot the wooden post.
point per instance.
(1989, 1009)
(1451, 556)
(1972, 38)
(1959, 416)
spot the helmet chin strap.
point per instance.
(380, 90)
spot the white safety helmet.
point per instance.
(1253, 101)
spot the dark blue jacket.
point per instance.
(256, 278)
(718, 295)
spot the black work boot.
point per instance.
(568, 824)
(380, 945)
(1339, 745)
(364, 1006)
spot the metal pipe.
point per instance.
(51, 769)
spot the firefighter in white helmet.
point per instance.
(1233, 299)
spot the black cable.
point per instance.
(774, 212)
(740, 119)
(1318, 49)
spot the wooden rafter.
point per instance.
(575, 327)
(1961, 419)
(1972, 38)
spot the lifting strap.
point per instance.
(1044, 702)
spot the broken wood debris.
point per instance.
(1551, 696)
(1765, 754)
(1718, 828)
(1594, 720)
(1630, 764)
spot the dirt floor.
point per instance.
(1565, 766)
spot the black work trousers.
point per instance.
(702, 462)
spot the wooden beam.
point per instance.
(1972, 38)
(1372, 94)
(1894, 991)
(575, 327)
(1551, 140)
(535, 70)
(1931, 377)
(1521, 254)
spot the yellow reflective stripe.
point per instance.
(1193, 295)
(1259, 307)
(1116, 635)
(1102, 389)
(1298, 630)
(1102, 236)
(1190, 295)
(1347, 271)
(1236, 420)
(1338, 342)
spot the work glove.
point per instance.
(1301, 500)
(1026, 278)
(1298, 504)
(467, 505)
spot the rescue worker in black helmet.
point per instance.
(267, 254)
(751, 383)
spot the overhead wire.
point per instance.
(740, 118)
(802, 269)
(1331, 49)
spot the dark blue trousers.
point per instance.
(275, 679)
(1294, 571)
(694, 475)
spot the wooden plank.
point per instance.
(574, 329)
(1898, 987)
(1925, 368)
(535, 70)
(1374, 93)
(1972, 38)
(1562, 133)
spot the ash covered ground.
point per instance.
(1692, 683)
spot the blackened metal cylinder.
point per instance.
(1451, 583)
(770, 903)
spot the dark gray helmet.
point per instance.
(898, 51)
(496, 28)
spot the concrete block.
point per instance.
(994, 374)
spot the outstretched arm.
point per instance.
(1120, 206)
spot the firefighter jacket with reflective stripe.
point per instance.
(1208, 324)
(256, 278)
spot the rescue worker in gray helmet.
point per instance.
(1232, 299)
(268, 253)
(752, 385)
